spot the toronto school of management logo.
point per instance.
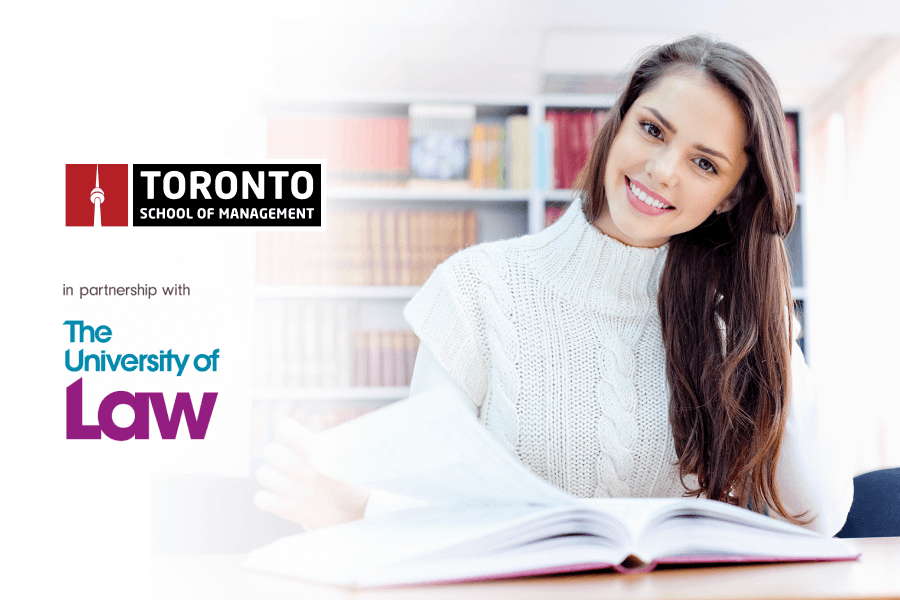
(96, 195)
(277, 193)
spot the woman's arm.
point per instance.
(814, 471)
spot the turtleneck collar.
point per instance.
(594, 270)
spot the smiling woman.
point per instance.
(641, 346)
(700, 130)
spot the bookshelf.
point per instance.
(315, 320)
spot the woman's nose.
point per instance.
(662, 167)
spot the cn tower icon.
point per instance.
(83, 183)
(97, 198)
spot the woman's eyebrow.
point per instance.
(713, 152)
(671, 128)
(662, 119)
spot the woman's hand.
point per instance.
(298, 492)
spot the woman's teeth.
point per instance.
(647, 199)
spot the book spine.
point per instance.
(360, 358)
(389, 252)
(471, 227)
(415, 247)
(328, 328)
(374, 339)
(262, 346)
(502, 165)
(311, 343)
(401, 377)
(386, 352)
(404, 252)
(477, 152)
(293, 354)
(376, 218)
(554, 119)
(524, 153)
(492, 156)
(431, 241)
(791, 127)
(551, 214)
(545, 171)
(277, 364)
(343, 343)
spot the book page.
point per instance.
(430, 544)
(432, 448)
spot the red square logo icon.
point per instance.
(97, 195)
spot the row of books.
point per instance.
(365, 247)
(408, 151)
(500, 156)
(303, 342)
(309, 342)
(373, 151)
(384, 357)
(573, 136)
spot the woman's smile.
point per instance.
(646, 201)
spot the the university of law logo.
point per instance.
(97, 195)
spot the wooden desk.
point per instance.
(875, 575)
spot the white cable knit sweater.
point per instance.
(556, 337)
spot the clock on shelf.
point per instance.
(439, 156)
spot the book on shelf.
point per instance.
(359, 150)
(488, 155)
(544, 148)
(486, 516)
(790, 121)
(573, 136)
(518, 152)
(372, 247)
(384, 357)
(552, 213)
(303, 342)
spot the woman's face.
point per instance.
(677, 156)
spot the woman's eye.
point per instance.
(652, 129)
(706, 165)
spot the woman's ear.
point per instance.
(726, 205)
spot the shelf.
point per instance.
(367, 395)
(596, 101)
(377, 194)
(400, 292)
(558, 195)
(373, 102)
(798, 293)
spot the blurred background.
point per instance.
(514, 90)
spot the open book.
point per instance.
(489, 517)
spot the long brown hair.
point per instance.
(725, 292)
